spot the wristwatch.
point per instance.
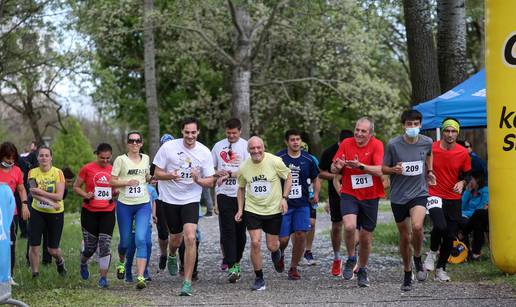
(361, 167)
(284, 197)
(429, 171)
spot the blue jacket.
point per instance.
(471, 202)
(6, 217)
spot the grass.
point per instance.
(50, 289)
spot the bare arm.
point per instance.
(57, 196)
(161, 174)
(23, 197)
(77, 188)
(115, 182)
(326, 175)
(240, 201)
(317, 189)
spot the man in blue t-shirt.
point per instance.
(297, 220)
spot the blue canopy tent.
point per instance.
(466, 102)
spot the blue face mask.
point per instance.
(6, 165)
(412, 132)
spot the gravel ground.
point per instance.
(316, 288)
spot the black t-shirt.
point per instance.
(325, 165)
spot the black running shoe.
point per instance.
(362, 279)
(407, 282)
(162, 264)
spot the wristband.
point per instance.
(25, 202)
(429, 171)
(284, 197)
(361, 167)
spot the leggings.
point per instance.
(129, 256)
(13, 243)
(478, 224)
(232, 233)
(97, 230)
(446, 227)
(140, 214)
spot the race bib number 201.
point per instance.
(361, 181)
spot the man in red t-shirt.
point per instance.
(451, 164)
(359, 160)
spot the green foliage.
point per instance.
(71, 148)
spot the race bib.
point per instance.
(44, 205)
(413, 168)
(186, 175)
(361, 181)
(261, 188)
(295, 192)
(434, 202)
(134, 192)
(230, 182)
(102, 193)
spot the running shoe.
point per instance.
(309, 258)
(441, 275)
(103, 283)
(35, 274)
(85, 274)
(128, 276)
(223, 267)
(279, 262)
(120, 270)
(186, 289)
(162, 264)
(293, 274)
(429, 264)
(233, 274)
(349, 269)
(140, 283)
(407, 281)
(336, 267)
(208, 213)
(12, 282)
(61, 268)
(259, 284)
(362, 279)
(421, 273)
(172, 265)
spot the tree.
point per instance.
(150, 77)
(424, 73)
(72, 149)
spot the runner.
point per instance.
(408, 161)
(98, 212)
(359, 160)
(308, 257)
(451, 166)
(47, 185)
(161, 222)
(303, 170)
(333, 207)
(12, 175)
(130, 174)
(183, 167)
(259, 180)
(228, 154)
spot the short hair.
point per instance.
(135, 132)
(371, 123)
(411, 115)
(68, 173)
(291, 132)
(8, 150)
(44, 147)
(233, 123)
(103, 147)
(189, 120)
(344, 134)
(480, 178)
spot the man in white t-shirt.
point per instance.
(183, 167)
(228, 154)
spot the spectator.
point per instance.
(477, 164)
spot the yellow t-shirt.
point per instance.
(125, 169)
(47, 181)
(262, 182)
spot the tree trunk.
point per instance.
(150, 78)
(241, 73)
(424, 75)
(451, 42)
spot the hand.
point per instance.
(175, 176)
(238, 216)
(216, 210)
(195, 175)
(353, 163)
(315, 199)
(89, 195)
(397, 169)
(430, 178)
(25, 212)
(222, 179)
(154, 219)
(35, 191)
(56, 206)
(133, 182)
(222, 173)
(340, 163)
(283, 206)
(458, 187)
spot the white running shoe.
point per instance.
(429, 263)
(12, 282)
(441, 275)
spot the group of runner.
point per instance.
(257, 191)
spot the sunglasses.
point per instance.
(134, 141)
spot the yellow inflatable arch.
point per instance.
(501, 130)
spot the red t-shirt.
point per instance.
(13, 178)
(96, 180)
(354, 181)
(447, 166)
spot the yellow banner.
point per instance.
(501, 130)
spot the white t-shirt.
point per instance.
(173, 156)
(229, 156)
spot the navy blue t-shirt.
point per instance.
(304, 170)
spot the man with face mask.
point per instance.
(408, 161)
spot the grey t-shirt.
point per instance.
(412, 183)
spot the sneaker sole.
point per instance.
(420, 278)
(120, 275)
(259, 289)
(354, 273)
(185, 294)
(233, 277)
(140, 286)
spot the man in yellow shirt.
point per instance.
(259, 179)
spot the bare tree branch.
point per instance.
(325, 82)
(234, 19)
(266, 28)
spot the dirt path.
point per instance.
(316, 288)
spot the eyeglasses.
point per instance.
(134, 141)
